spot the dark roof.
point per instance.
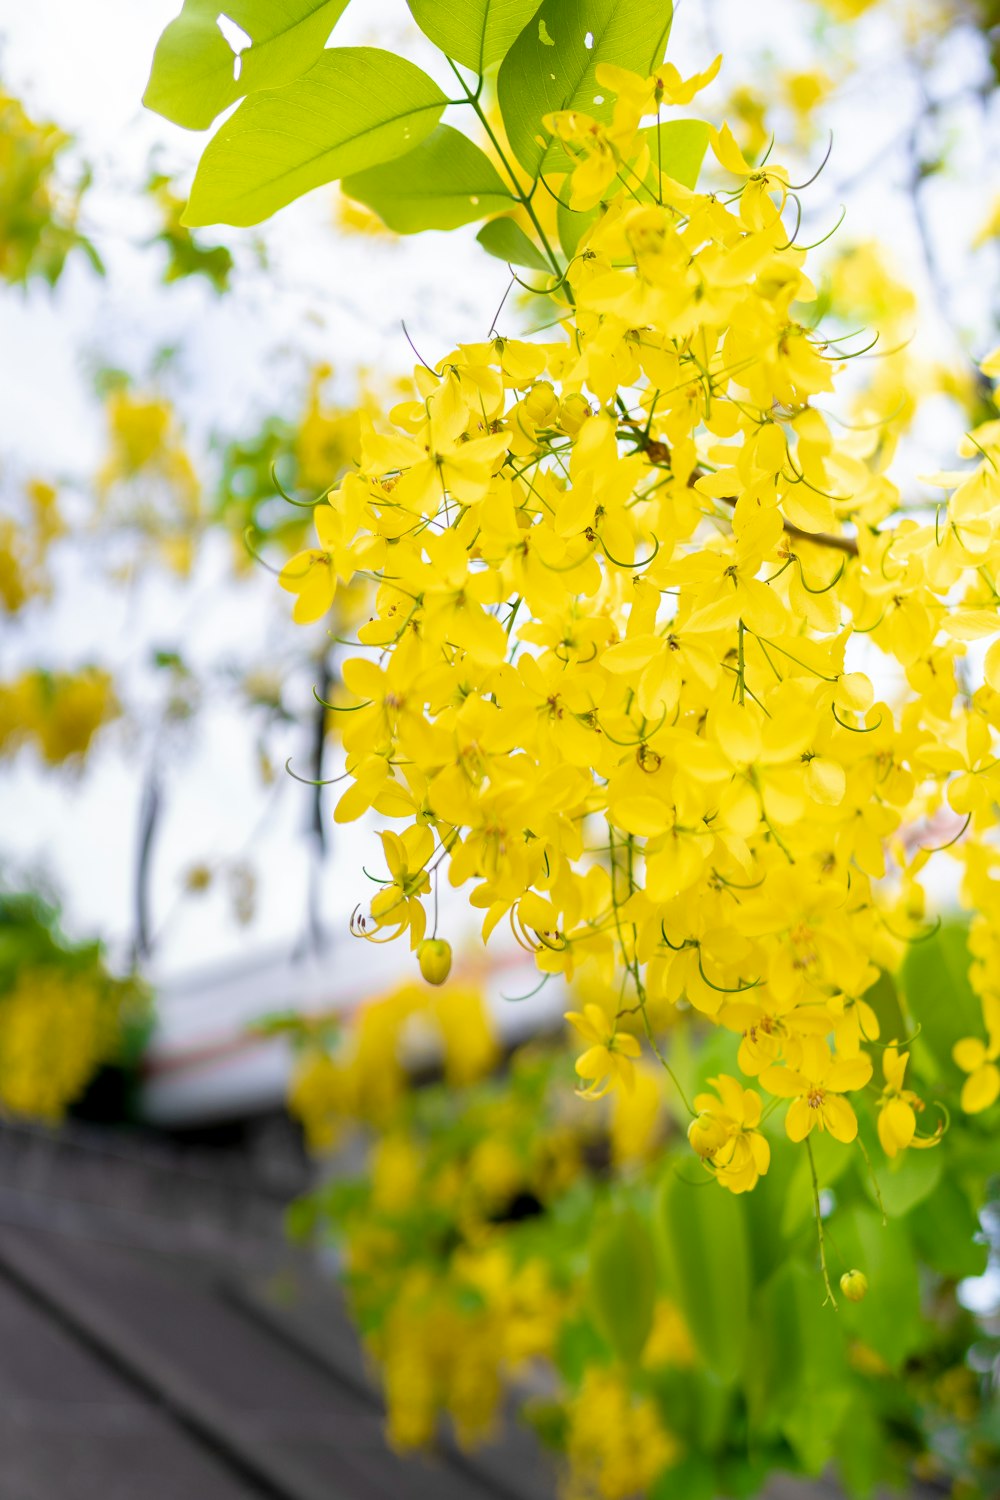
(160, 1341)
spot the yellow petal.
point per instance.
(981, 1089)
(799, 1120)
(728, 154)
(969, 1053)
(839, 1118)
(896, 1126)
(784, 1082)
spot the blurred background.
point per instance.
(189, 1034)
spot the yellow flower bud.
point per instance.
(707, 1133)
(573, 412)
(541, 404)
(434, 958)
(854, 1285)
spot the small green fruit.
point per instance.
(854, 1285)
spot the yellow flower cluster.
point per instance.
(616, 1443)
(24, 547)
(37, 215)
(446, 1346)
(663, 667)
(148, 478)
(456, 1306)
(365, 1078)
(56, 1028)
(57, 712)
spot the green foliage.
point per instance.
(889, 1319)
(677, 147)
(904, 1181)
(37, 214)
(551, 67)
(946, 1233)
(195, 75)
(186, 254)
(703, 1240)
(505, 239)
(355, 108)
(622, 1282)
(935, 982)
(796, 1385)
(475, 33)
(313, 116)
(30, 937)
(777, 1371)
(444, 182)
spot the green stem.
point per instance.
(523, 198)
(871, 1173)
(819, 1227)
(741, 662)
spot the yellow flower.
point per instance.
(816, 1090)
(312, 575)
(398, 903)
(609, 1060)
(724, 1133)
(897, 1121)
(979, 1060)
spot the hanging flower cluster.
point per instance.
(662, 667)
(58, 713)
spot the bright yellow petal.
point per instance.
(799, 1120)
(839, 1118)
(896, 1126)
(981, 1089)
(969, 1053)
(784, 1082)
(846, 1073)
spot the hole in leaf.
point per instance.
(598, 98)
(237, 38)
(588, 40)
(234, 34)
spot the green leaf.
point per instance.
(934, 979)
(572, 225)
(889, 1318)
(195, 74)
(944, 1230)
(475, 33)
(831, 1158)
(704, 1244)
(357, 107)
(622, 1283)
(680, 149)
(507, 241)
(693, 1477)
(883, 997)
(797, 1379)
(446, 181)
(903, 1180)
(550, 67)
